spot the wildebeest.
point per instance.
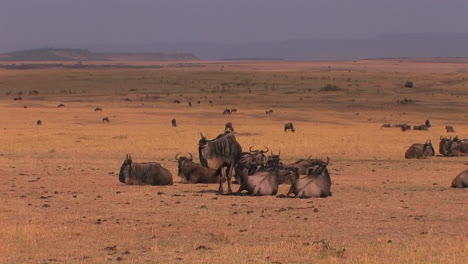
(222, 152)
(191, 172)
(265, 181)
(445, 145)
(38, 122)
(174, 122)
(176, 101)
(97, 109)
(249, 163)
(421, 127)
(459, 147)
(427, 123)
(290, 127)
(409, 84)
(198, 102)
(405, 127)
(18, 98)
(317, 182)
(234, 110)
(190, 103)
(133, 173)
(420, 151)
(386, 125)
(228, 126)
(302, 165)
(450, 129)
(227, 111)
(268, 112)
(60, 105)
(461, 181)
(211, 102)
(105, 119)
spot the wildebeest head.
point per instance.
(317, 167)
(429, 149)
(181, 160)
(125, 169)
(444, 145)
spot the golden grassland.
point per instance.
(62, 202)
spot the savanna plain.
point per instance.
(61, 201)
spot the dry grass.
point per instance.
(62, 202)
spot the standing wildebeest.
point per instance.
(269, 112)
(174, 122)
(211, 102)
(427, 123)
(317, 182)
(198, 102)
(266, 180)
(144, 173)
(227, 111)
(222, 152)
(60, 105)
(190, 103)
(105, 119)
(97, 109)
(450, 129)
(290, 127)
(38, 122)
(461, 181)
(191, 172)
(420, 151)
(229, 127)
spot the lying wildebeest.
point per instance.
(405, 127)
(459, 147)
(60, 105)
(191, 172)
(268, 112)
(144, 173)
(97, 109)
(227, 111)
(302, 165)
(174, 122)
(420, 151)
(38, 122)
(249, 163)
(386, 125)
(317, 182)
(290, 127)
(445, 146)
(265, 181)
(450, 129)
(222, 152)
(176, 101)
(461, 181)
(105, 119)
(421, 127)
(229, 127)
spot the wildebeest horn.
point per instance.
(176, 156)
(267, 149)
(279, 153)
(250, 149)
(191, 157)
(127, 156)
(310, 156)
(328, 160)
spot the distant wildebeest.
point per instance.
(266, 180)
(176, 101)
(190, 103)
(198, 102)
(290, 127)
(234, 110)
(60, 105)
(427, 123)
(222, 152)
(211, 102)
(191, 172)
(25, 106)
(409, 84)
(450, 129)
(105, 119)
(386, 125)
(38, 122)
(461, 181)
(268, 112)
(229, 127)
(302, 165)
(420, 151)
(174, 122)
(18, 98)
(227, 112)
(316, 183)
(405, 127)
(421, 127)
(97, 109)
(151, 173)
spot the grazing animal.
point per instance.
(317, 182)
(60, 105)
(420, 151)
(229, 127)
(105, 119)
(191, 172)
(268, 112)
(150, 173)
(266, 180)
(290, 127)
(405, 127)
(174, 122)
(227, 112)
(421, 127)
(18, 98)
(190, 104)
(38, 122)
(97, 109)
(461, 181)
(222, 152)
(233, 111)
(450, 129)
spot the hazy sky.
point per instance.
(41, 22)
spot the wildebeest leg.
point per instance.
(229, 175)
(222, 175)
(290, 190)
(242, 180)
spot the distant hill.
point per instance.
(55, 54)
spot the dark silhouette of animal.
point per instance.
(420, 151)
(174, 122)
(60, 105)
(97, 109)
(105, 119)
(233, 111)
(227, 112)
(459, 147)
(190, 104)
(228, 126)
(461, 181)
(25, 106)
(268, 112)
(450, 129)
(38, 122)
(290, 127)
(150, 173)
(316, 183)
(249, 163)
(421, 127)
(221, 153)
(405, 127)
(409, 84)
(265, 180)
(211, 102)
(386, 125)
(427, 123)
(191, 172)
(445, 146)
(18, 98)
